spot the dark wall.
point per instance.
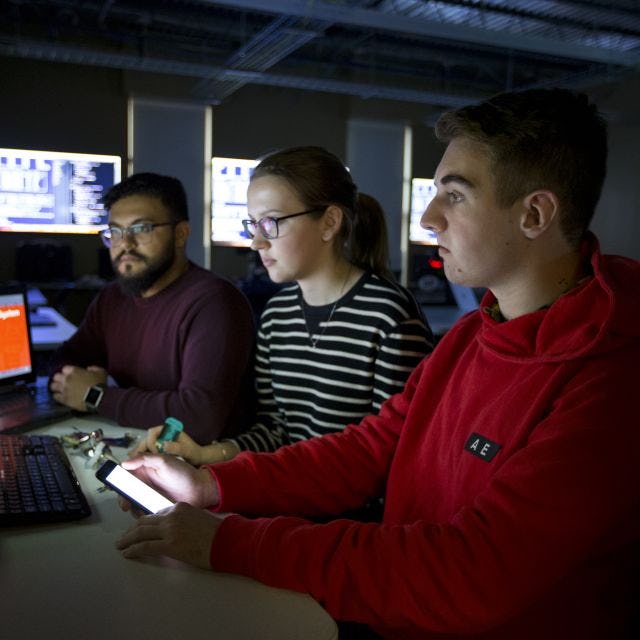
(427, 152)
(61, 107)
(257, 120)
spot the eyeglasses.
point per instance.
(140, 232)
(269, 225)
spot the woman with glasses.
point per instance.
(343, 336)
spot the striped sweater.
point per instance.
(366, 345)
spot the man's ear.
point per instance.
(541, 210)
(182, 233)
(332, 220)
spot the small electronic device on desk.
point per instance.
(132, 488)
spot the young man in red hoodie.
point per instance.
(510, 462)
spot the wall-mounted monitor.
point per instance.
(53, 192)
(229, 182)
(422, 192)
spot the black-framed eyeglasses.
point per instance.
(269, 225)
(140, 232)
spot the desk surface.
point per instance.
(69, 581)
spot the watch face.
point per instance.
(93, 397)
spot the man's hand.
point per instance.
(182, 532)
(174, 478)
(70, 384)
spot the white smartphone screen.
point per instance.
(137, 490)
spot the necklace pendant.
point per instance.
(314, 340)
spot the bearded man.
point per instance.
(167, 338)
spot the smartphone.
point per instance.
(132, 488)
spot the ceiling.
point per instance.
(438, 53)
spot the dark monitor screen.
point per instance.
(53, 192)
(229, 183)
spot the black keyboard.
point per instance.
(37, 482)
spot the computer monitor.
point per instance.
(422, 192)
(229, 182)
(54, 192)
(16, 351)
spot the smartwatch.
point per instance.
(93, 397)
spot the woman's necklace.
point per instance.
(314, 339)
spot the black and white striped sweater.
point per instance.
(364, 351)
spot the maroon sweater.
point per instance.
(184, 352)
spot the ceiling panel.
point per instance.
(443, 53)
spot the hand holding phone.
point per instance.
(132, 488)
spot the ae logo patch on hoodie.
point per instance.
(481, 447)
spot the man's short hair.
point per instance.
(167, 189)
(539, 139)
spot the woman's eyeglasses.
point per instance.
(140, 232)
(269, 225)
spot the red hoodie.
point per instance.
(511, 463)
